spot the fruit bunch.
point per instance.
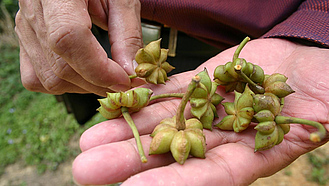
(259, 99)
(134, 100)
(261, 102)
(122, 103)
(234, 75)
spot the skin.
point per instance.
(109, 152)
(58, 52)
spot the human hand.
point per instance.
(109, 153)
(58, 52)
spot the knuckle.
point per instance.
(23, 2)
(27, 11)
(134, 42)
(62, 37)
(18, 18)
(52, 83)
(126, 3)
(19, 23)
(59, 37)
(131, 38)
(62, 69)
(31, 83)
(138, 4)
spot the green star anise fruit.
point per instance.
(204, 100)
(240, 112)
(134, 100)
(276, 84)
(181, 143)
(267, 101)
(152, 63)
(269, 134)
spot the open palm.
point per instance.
(109, 152)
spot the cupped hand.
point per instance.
(109, 152)
(59, 53)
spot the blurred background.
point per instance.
(39, 138)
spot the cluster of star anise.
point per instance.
(259, 99)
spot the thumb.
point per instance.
(125, 32)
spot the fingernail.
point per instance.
(135, 64)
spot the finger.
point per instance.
(64, 71)
(59, 71)
(28, 77)
(32, 54)
(98, 134)
(68, 32)
(278, 157)
(98, 11)
(230, 159)
(155, 112)
(119, 130)
(32, 12)
(125, 32)
(100, 165)
(85, 167)
(229, 164)
(103, 161)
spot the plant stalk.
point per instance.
(169, 95)
(238, 50)
(132, 125)
(132, 76)
(315, 136)
(180, 119)
(255, 87)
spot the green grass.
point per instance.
(319, 162)
(34, 127)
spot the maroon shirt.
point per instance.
(226, 22)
